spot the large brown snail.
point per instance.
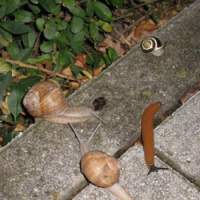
(46, 100)
(101, 169)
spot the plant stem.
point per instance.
(29, 66)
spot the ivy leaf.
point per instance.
(102, 11)
(76, 24)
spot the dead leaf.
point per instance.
(143, 28)
(19, 127)
(67, 72)
(74, 85)
(109, 42)
(98, 70)
(80, 60)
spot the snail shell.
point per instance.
(43, 99)
(152, 45)
(100, 169)
(46, 100)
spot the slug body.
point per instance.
(46, 100)
(147, 135)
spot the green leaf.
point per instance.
(70, 3)
(76, 24)
(18, 91)
(112, 54)
(46, 46)
(4, 66)
(75, 70)
(65, 58)
(5, 80)
(107, 27)
(40, 24)
(18, 53)
(117, 3)
(34, 1)
(50, 6)
(29, 39)
(76, 10)
(94, 31)
(14, 101)
(39, 59)
(5, 38)
(50, 31)
(35, 9)
(23, 16)
(90, 8)
(15, 27)
(61, 24)
(102, 11)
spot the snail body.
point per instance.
(152, 45)
(101, 169)
(46, 100)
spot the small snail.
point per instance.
(152, 45)
(46, 100)
(101, 169)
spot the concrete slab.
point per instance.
(178, 139)
(166, 184)
(44, 162)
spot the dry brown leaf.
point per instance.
(80, 60)
(109, 42)
(67, 72)
(4, 107)
(98, 70)
(74, 85)
(143, 28)
(19, 127)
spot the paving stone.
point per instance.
(178, 139)
(165, 185)
(44, 161)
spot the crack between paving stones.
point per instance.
(177, 168)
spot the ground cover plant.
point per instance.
(67, 41)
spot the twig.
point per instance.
(122, 38)
(29, 66)
(130, 11)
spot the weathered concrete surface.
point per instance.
(165, 185)
(45, 160)
(178, 139)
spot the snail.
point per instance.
(152, 45)
(100, 169)
(46, 100)
(147, 138)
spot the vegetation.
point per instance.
(66, 40)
